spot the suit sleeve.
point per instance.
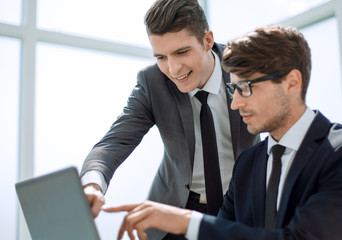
(125, 133)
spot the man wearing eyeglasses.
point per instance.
(288, 186)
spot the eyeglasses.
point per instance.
(245, 87)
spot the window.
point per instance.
(9, 100)
(10, 11)
(229, 19)
(325, 87)
(102, 19)
(79, 94)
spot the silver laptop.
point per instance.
(56, 208)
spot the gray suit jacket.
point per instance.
(156, 100)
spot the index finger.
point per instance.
(127, 208)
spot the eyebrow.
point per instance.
(174, 52)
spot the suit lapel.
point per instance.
(185, 112)
(234, 116)
(259, 185)
(318, 130)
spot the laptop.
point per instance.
(56, 208)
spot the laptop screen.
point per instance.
(55, 207)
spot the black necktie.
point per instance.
(212, 176)
(272, 189)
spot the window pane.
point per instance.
(79, 95)
(229, 19)
(105, 19)
(10, 11)
(325, 88)
(9, 95)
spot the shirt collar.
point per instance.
(214, 82)
(295, 135)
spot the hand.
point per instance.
(151, 215)
(95, 197)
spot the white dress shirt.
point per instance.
(291, 140)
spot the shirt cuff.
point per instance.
(194, 225)
(94, 176)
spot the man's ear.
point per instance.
(208, 40)
(294, 81)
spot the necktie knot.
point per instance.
(202, 96)
(277, 151)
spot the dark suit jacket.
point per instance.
(311, 202)
(156, 100)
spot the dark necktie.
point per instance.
(272, 189)
(212, 176)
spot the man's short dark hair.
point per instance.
(269, 50)
(175, 15)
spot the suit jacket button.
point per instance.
(187, 186)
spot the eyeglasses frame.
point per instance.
(234, 86)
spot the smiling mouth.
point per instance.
(184, 76)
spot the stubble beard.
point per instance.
(278, 119)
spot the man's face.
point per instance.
(185, 61)
(266, 110)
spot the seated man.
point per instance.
(288, 186)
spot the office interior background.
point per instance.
(68, 66)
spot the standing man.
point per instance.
(188, 62)
(287, 187)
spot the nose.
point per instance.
(174, 66)
(238, 101)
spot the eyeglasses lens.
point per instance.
(244, 89)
